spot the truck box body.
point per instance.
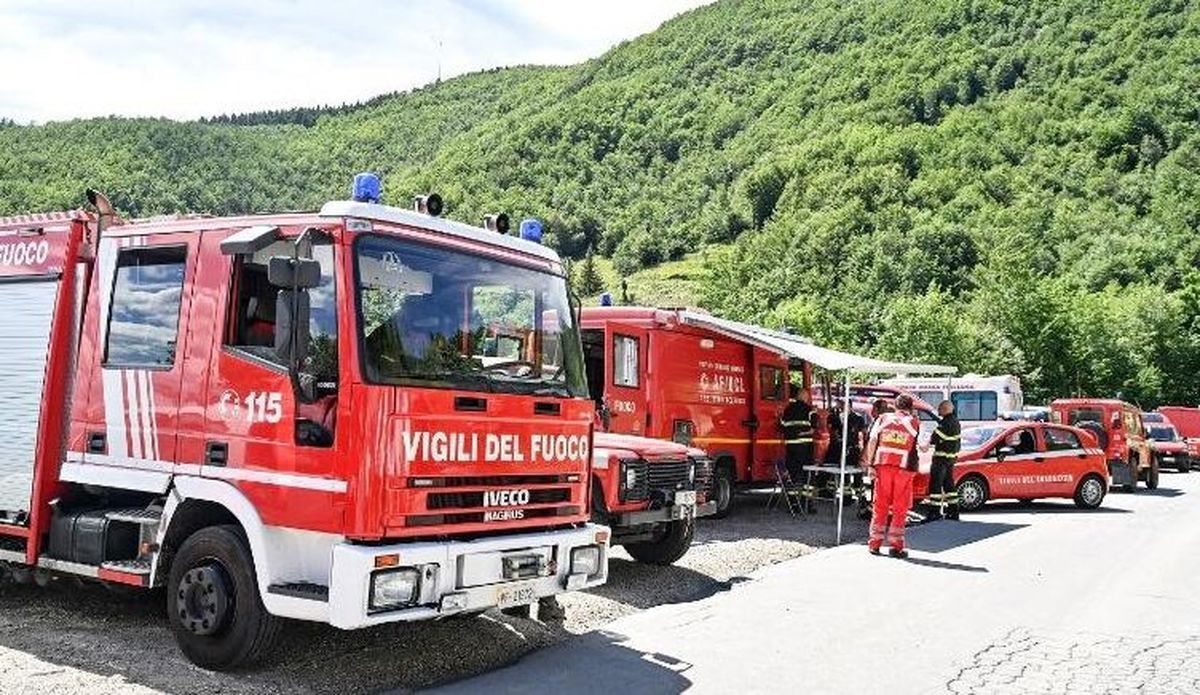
(661, 377)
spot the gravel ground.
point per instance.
(71, 638)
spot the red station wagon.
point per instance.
(1026, 461)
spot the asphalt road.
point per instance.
(1010, 600)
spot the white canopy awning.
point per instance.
(804, 349)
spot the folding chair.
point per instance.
(789, 490)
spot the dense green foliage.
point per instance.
(1010, 186)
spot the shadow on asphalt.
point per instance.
(1044, 508)
(600, 664)
(943, 535)
(939, 565)
(1161, 492)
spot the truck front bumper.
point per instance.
(462, 576)
(663, 514)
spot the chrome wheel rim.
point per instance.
(1092, 494)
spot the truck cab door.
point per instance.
(144, 289)
(255, 430)
(626, 352)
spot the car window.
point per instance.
(1021, 441)
(975, 405)
(1078, 415)
(1060, 440)
(975, 437)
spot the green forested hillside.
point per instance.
(1007, 186)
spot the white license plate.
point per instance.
(686, 497)
(516, 594)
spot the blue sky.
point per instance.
(189, 58)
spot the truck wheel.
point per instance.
(1090, 492)
(1152, 476)
(213, 603)
(972, 493)
(1134, 474)
(723, 490)
(666, 550)
(1183, 464)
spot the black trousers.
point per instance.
(798, 456)
(941, 482)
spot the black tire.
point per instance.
(723, 489)
(1152, 476)
(972, 493)
(1134, 474)
(213, 574)
(1183, 464)
(1089, 494)
(673, 544)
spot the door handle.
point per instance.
(97, 443)
(216, 453)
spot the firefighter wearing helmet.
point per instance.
(892, 452)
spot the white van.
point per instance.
(975, 397)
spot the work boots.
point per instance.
(898, 552)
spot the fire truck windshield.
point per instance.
(437, 317)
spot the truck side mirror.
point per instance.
(1115, 421)
(289, 273)
(291, 326)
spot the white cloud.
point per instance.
(192, 58)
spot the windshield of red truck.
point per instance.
(445, 318)
(1163, 433)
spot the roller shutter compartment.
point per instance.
(26, 311)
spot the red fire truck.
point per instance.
(684, 375)
(291, 416)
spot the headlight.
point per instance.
(391, 589)
(586, 560)
(630, 477)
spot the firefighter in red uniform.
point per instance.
(892, 453)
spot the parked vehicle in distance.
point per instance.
(1168, 447)
(976, 398)
(1119, 431)
(1026, 461)
(650, 492)
(1187, 422)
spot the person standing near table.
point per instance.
(797, 426)
(892, 453)
(945, 443)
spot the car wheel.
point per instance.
(1152, 476)
(213, 604)
(1133, 476)
(1183, 464)
(723, 488)
(1090, 492)
(972, 493)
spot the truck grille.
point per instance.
(470, 500)
(668, 475)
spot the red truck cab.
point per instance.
(294, 416)
(1118, 429)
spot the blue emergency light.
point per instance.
(606, 299)
(531, 230)
(367, 188)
